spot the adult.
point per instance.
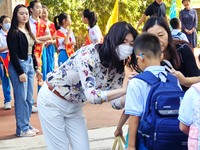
(94, 73)
(20, 42)
(157, 8)
(189, 20)
(178, 53)
(94, 33)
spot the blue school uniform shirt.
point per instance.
(138, 91)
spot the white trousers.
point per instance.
(63, 123)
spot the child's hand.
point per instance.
(118, 132)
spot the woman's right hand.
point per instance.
(22, 77)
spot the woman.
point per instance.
(94, 73)
(4, 60)
(94, 33)
(21, 69)
(189, 21)
(178, 53)
(65, 37)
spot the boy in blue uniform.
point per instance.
(148, 54)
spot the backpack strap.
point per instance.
(171, 78)
(148, 77)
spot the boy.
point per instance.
(148, 54)
(176, 30)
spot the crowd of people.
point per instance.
(95, 73)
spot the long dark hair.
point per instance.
(154, 20)
(91, 16)
(15, 22)
(114, 37)
(60, 18)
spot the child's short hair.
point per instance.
(149, 44)
(175, 23)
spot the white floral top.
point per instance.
(83, 77)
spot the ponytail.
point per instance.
(91, 16)
(57, 26)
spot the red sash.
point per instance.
(69, 48)
(52, 28)
(5, 62)
(40, 31)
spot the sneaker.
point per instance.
(35, 130)
(28, 133)
(34, 109)
(7, 106)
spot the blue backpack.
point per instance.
(177, 36)
(159, 128)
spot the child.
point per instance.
(50, 48)
(4, 60)
(148, 55)
(189, 114)
(176, 30)
(65, 38)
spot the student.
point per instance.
(157, 8)
(50, 48)
(94, 33)
(20, 42)
(176, 30)
(178, 53)
(148, 55)
(94, 73)
(189, 114)
(42, 34)
(65, 37)
(4, 60)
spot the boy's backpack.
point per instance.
(159, 127)
(177, 36)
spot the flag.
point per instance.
(114, 16)
(173, 9)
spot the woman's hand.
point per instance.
(22, 77)
(38, 75)
(132, 74)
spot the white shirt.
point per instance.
(190, 100)
(138, 90)
(3, 42)
(95, 34)
(33, 26)
(182, 35)
(61, 44)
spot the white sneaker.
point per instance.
(7, 106)
(28, 133)
(35, 130)
(34, 109)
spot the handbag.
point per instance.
(120, 142)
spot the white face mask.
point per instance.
(6, 26)
(124, 51)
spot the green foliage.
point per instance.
(129, 11)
